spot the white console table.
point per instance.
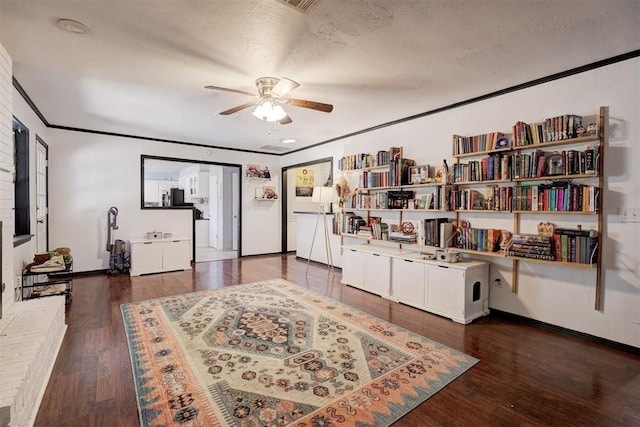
(160, 255)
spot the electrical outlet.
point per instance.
(629, 214)
(497, 283)
(18, 282)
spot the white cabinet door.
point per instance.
(353, 268)
(408, 284)
(146, 258)
(151, 191)
(445, 291)
(203, 184)
(175, 255)
(202, 233)
(377, 276)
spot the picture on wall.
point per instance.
(304, 182)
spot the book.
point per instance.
(446, 234)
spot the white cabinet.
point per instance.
(202, 233)
(146, 257)
(175, 255)
(409, 281)
(368, 268)
(153, 190)
(159, 255)
(353, 268)
(377, 274)
(196, 185)
(458, 291)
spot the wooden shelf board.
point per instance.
(581, 140)
(542, 261)
(480, 153)
(482, 211)
(557, 212)
(539, 261)
(555, 177)
(485, 182)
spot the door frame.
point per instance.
(284, 217)
(46, 177)
(193, 221)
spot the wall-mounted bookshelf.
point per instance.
(522, 173)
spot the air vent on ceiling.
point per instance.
(275, 148)
(299, 5)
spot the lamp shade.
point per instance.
(322, 195)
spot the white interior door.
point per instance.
(214, 202)
(235, 197)
(42, 208)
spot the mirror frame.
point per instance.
(144, 157)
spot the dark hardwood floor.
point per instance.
(527, 375)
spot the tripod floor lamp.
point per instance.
(324, 196)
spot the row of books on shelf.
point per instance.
(437, 199)
(370, 179)
(476, 143)
(430, 232)
(367, 160)
(560, 197)
(492, 198)
(555, 197)
(557, 128)
(539, 164)
(565, 245)
(493, 167)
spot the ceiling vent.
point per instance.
(277, 148)
(299, 5)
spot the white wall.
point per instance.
(88, 173)
(561, 296)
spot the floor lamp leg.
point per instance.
(327, 242)
(315, 231)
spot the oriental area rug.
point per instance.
(273, 353)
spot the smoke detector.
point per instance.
(73, 27)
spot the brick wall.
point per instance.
(30, 337)
(6, 176)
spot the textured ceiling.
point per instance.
(142, 67)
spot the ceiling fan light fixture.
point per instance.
(269, 112)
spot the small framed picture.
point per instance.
(424, 173)
(259, 193)
(502, 142)
(414, 175)
(270, 192)
(419, 174)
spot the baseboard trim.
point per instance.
(566, 331)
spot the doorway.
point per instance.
(211, 189)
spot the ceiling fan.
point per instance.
(270, 99)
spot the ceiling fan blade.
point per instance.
(242, 92)
(236, 109)
(327, 108)
(286, 120)
(283, 87)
